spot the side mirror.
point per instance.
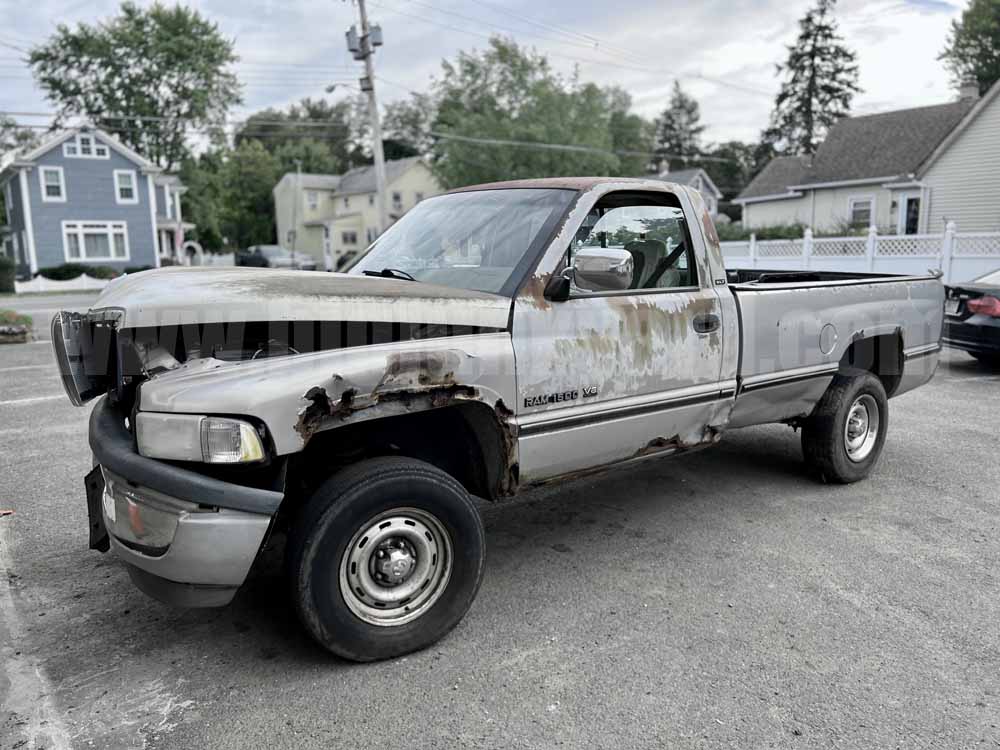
(603, 269)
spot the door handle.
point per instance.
(706, 322)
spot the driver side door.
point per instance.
(626, 370)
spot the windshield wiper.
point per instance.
(390, 273)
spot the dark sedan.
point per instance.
(972, 318)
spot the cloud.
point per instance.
(295, 48)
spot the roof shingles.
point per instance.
(887, 145)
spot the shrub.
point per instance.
(72, 270)
(7, 270)
(168, 262)
(732, 232)
(13, 318)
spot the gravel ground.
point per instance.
(712, 600)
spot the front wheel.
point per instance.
(842, 439)
(386, 558)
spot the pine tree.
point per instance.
(679, 128)
(973, 48)
(820, 79)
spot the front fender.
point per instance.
(296, 396)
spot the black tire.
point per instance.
(989, 359)
(824, 443)
(341, 509)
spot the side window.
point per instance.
(639, 246)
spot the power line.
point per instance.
(590, 44)
(588, 61)
(573, 148)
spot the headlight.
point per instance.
(229, 441)
(189, 437)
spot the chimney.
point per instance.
(968, 90)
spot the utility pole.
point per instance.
(295, 206)
(363, 48)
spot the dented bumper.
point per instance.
(188, 539)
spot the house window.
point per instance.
(53, 184)
(397, 201)
(349, 238)
(95, 240)
(371, 235)
(417, 197)
(347, 202)
(125, 186)
(371, 199)
(312, 198)
(168, 203)
(8, 248)
(85, 147)
(860, 213)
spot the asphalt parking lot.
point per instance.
(716, 599)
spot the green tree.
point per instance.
(156, 62)
(246, 212)
(326, 128)
(205, 197)
(973, 46)
(631, 135)
(510, 93)
(14, 136)
(679, 129)
(407, 123)
(820, 80)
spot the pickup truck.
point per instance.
(495, 338)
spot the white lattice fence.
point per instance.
(736, 249)
(927, 245)
(977, 245)
(838, 247)
(779, 249)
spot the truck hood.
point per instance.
(179, 296)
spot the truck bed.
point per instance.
(798, 328)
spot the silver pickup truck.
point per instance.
(497, 337)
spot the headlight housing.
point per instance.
(191, 437)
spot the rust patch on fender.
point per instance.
(410, 380)
(510, 476)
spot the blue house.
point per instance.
(84, 197)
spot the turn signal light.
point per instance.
(984, 306)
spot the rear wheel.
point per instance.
(386, 558)
(842, 439)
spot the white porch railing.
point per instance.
(960, 257)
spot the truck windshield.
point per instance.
(475, 240)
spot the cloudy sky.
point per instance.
(723, 52)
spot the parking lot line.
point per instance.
(25, 367)
(32, 400)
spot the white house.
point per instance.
(335, 217)
(906, 172)
(698, 179)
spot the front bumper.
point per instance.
(188, 539)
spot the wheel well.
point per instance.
(880, 355)
(469, 440)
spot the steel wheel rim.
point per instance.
(403, 582)
(861, 428)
